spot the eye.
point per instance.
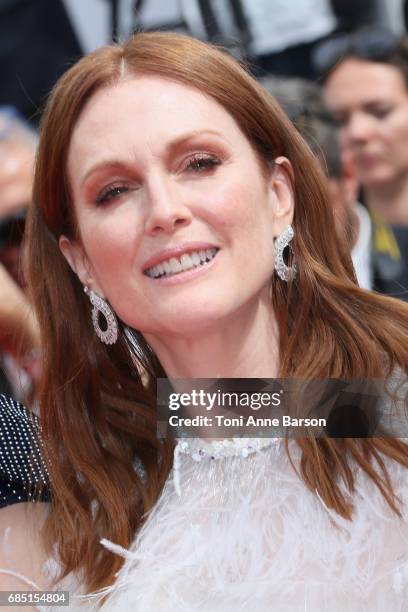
(201, 162)
(340, 120)
(111, 193)
(381, 112)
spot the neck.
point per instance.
(244, 345)
(390, 201)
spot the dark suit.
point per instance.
(390, 259)
(37, 44)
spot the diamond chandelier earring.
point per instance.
(101, 307)
(284, 271)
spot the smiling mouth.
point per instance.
(187, 261)
(367, 161)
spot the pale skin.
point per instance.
(220, 323)
(370, 101)
(150, 140)
(21, 549)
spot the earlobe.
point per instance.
(76, 258)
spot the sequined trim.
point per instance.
(216, 449)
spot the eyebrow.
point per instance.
(170, 148)
(369, 103)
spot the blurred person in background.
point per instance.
(303, 101)
(19, 335)
(38, 43)
(365, 78)
(284, 34)
(277, 36)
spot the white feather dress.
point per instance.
(241, 532)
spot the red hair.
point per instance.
(98, 402)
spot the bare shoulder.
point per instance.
(22, 554)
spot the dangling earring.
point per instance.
(284, 272)
(100, 306)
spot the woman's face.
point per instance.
(370, 102)
(176, 217)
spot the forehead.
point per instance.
(146, 111)
(357, 82)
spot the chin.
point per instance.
(190, 320)
(376, 178)
(183, 327)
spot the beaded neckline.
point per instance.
(200, 449)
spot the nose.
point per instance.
(167, 210)
(358, 129)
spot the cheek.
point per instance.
(249, 224)
(244, 204)
(110, 244)
(395, 131)
(344, 140)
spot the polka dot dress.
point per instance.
(23, 474)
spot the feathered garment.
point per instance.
(239, 530)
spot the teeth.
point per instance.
(167, 267)
(186, 262)
(175, 265)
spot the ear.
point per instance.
(283, 194)
(78, 261)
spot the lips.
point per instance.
(366, 161)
